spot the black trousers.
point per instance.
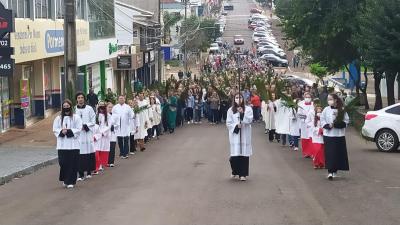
(156, 128)
(132, 143)
(123, 144)
(240, 165)
(87, 163)
(189, 114)
(111, 155)
(271, 135)
(68, 161)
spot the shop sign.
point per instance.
(112, 48)
(6, 21)
(54, 41)
(124, 62)
(24, 93)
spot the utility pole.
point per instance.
(70, 51)
(184, 44)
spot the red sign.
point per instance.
(6, 21)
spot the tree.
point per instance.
(170, 19)
(319, 72)
(198, 34)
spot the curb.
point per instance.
(27, 171)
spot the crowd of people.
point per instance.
(243, 91)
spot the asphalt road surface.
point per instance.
(184, 179)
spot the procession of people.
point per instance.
(236, 89)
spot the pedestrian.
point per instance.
(156, 111)
(87, 157)
(214, 107)
(67, 127)
(172, 112)
(256, 105)
(282, 120)
(113, 137)
(124, 115)
(305, 113)
(334, 120)
(102, 135)
(268, 110)
(238, 121)
(189, 107)
(133, 128)
(197, 109)
(143, 121)
(294, 125)
(318, 140)
(92, 99)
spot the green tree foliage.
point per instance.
(318, 71)
(198, 33)
(170, 19)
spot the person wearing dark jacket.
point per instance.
(92, 99)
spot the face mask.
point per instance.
(319, 114)
(67, 110)
(307, 100)
(331, 103)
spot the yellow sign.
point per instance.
(38, 39)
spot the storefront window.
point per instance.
(21, 8)
(43, 9)
(101, 19)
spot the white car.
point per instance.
(238, 40)
(383, 127)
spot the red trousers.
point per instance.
(319, 155)
(307, 148)
(101, 159)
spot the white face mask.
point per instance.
(307, 100)
(331, 102)
(319, 114)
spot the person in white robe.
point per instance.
(124, 115)
(156, 111)
(282, 120)
(66, 128)
(305, 113)
(334, 120)
(143, 120)
(268, 110)
(151, 122)
(113, 137)
(238, 121)
(87, 157)
(134, 126)
(294, 131)
(102, 137)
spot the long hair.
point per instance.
(316, 117)
(69, 102)
(235, 105)
(339, 103)
(104, 113)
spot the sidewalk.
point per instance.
(23, 151)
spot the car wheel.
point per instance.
(387, 141)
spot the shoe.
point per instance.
(188, 122)
(88, 176)
(191, 121)
(101, 168)
(234, 176)
(243, 179)
(70, 186)
(330, 176)
(142, 149)
(111, 165)
(335, 175)
(131, 153)
(95, 173)
(80, 179)
(64, 185)
(295, 149)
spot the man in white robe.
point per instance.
(143, 120)
(282, 120)
(124, 114)
(87, 157)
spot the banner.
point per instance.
(24, 93)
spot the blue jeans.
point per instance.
(294, 141)
(197, 115)
(256, 113)
(123, 144)
(214, 115)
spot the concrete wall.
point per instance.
(148, 5)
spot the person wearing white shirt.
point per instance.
(318, 140)
(305, 112)
(66, 128)
(156, 111)
(113, 137)
(334, 120)
(124, 115)
(102, 136)
(134, 127)
(144, 121)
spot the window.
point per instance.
(43, 9)
(21, 8)
(60, 9)
(101, 19)
(394, 110)
(80, 9)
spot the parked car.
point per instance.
(228, 6)
(255, 10)
(238, 40)
(383, 128)
(224, 13)
(275, 60)
(252, 25)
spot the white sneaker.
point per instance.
(88, 176)
(234, 176)
(335, 175)
(112, 165)
(191, 121)
(70, 186)
(95, 173)
(79, 179)
(131, 153)
(296, 149)
(243, 179)
(64, 185)
(330, 176)
(188, 122)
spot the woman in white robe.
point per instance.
(102, 137)
(156, 111)
(66, 128)
(113, 136)
(305, 113)
(238, 121)
(143, 120)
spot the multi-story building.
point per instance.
(34, 90)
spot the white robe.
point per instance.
(327, 117)
(102, 134)
(316, 137)
(114, 121)
(134, 123)
(123, 114)
(156, 109)
(88, 117)
(245, 149)
(75, 124)
(294, 124)
(268, 114)
(304, 113)
(143, 120)
(282, 118)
